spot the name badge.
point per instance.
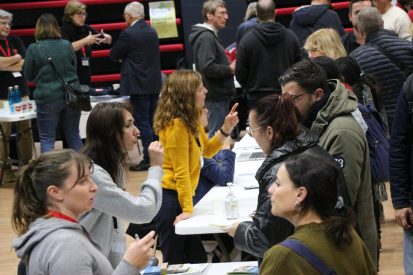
(17, 74)
(85, 61)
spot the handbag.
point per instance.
(77, 96)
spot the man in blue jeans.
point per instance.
(401, 170)
(138, 51)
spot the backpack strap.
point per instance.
(300, 249)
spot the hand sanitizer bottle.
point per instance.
(231, 204)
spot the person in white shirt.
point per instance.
(394, 18)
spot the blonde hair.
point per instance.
(326, 41)
(177, 100)
(71, 8)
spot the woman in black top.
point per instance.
(82, 37)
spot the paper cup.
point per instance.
(25, 107)
(6, 106)
(18, 108)
(218, 206)
(31, 105)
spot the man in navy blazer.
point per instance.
(137, 49)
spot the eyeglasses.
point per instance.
(295, 97)
(5, 23)
(82, 13)
(250, 131)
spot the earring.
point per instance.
(297, 206)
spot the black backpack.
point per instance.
(378, 144)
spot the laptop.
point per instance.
(251, 156)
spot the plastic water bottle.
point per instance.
(10, 96)
(231, 204)
(18, 96)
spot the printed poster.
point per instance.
(163, 19)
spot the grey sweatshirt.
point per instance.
(62, 247)
(112, 201)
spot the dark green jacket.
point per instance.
(341, 135)
(352, 259)
(36, 68)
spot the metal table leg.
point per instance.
(223, 248)
(5, 153)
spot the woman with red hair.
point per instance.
(274, 124)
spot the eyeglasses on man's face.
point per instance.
(296, 97)
(250, 131)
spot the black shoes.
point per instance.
(142, 166)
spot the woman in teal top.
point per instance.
(49, 94)
(305, 193)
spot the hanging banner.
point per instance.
(163, 19)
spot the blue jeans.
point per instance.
(217, 111)
(408, 252)
(48, 117)
(143, 111)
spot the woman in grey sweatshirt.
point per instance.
(111, 133)
(50, 194)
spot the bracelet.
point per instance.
(223, 133)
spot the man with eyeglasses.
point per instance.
(212, 62)
(12, 53)
(326, 108)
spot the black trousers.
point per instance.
(176, 249)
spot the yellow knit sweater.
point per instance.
(182, 159)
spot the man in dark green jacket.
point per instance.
(327, 108)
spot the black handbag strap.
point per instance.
(50, 61)
(302, 250)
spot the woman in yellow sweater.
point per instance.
(177, 122)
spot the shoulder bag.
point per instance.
(77, 96)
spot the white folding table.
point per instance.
(205, 221)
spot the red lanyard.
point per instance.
(7, 48)
(61, 216)
(84, 51)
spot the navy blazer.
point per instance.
(138, 50)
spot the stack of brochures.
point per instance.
(187, 269)
(245, 270)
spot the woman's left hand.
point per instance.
(231, 120)
(231, 229)
(182, 216)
